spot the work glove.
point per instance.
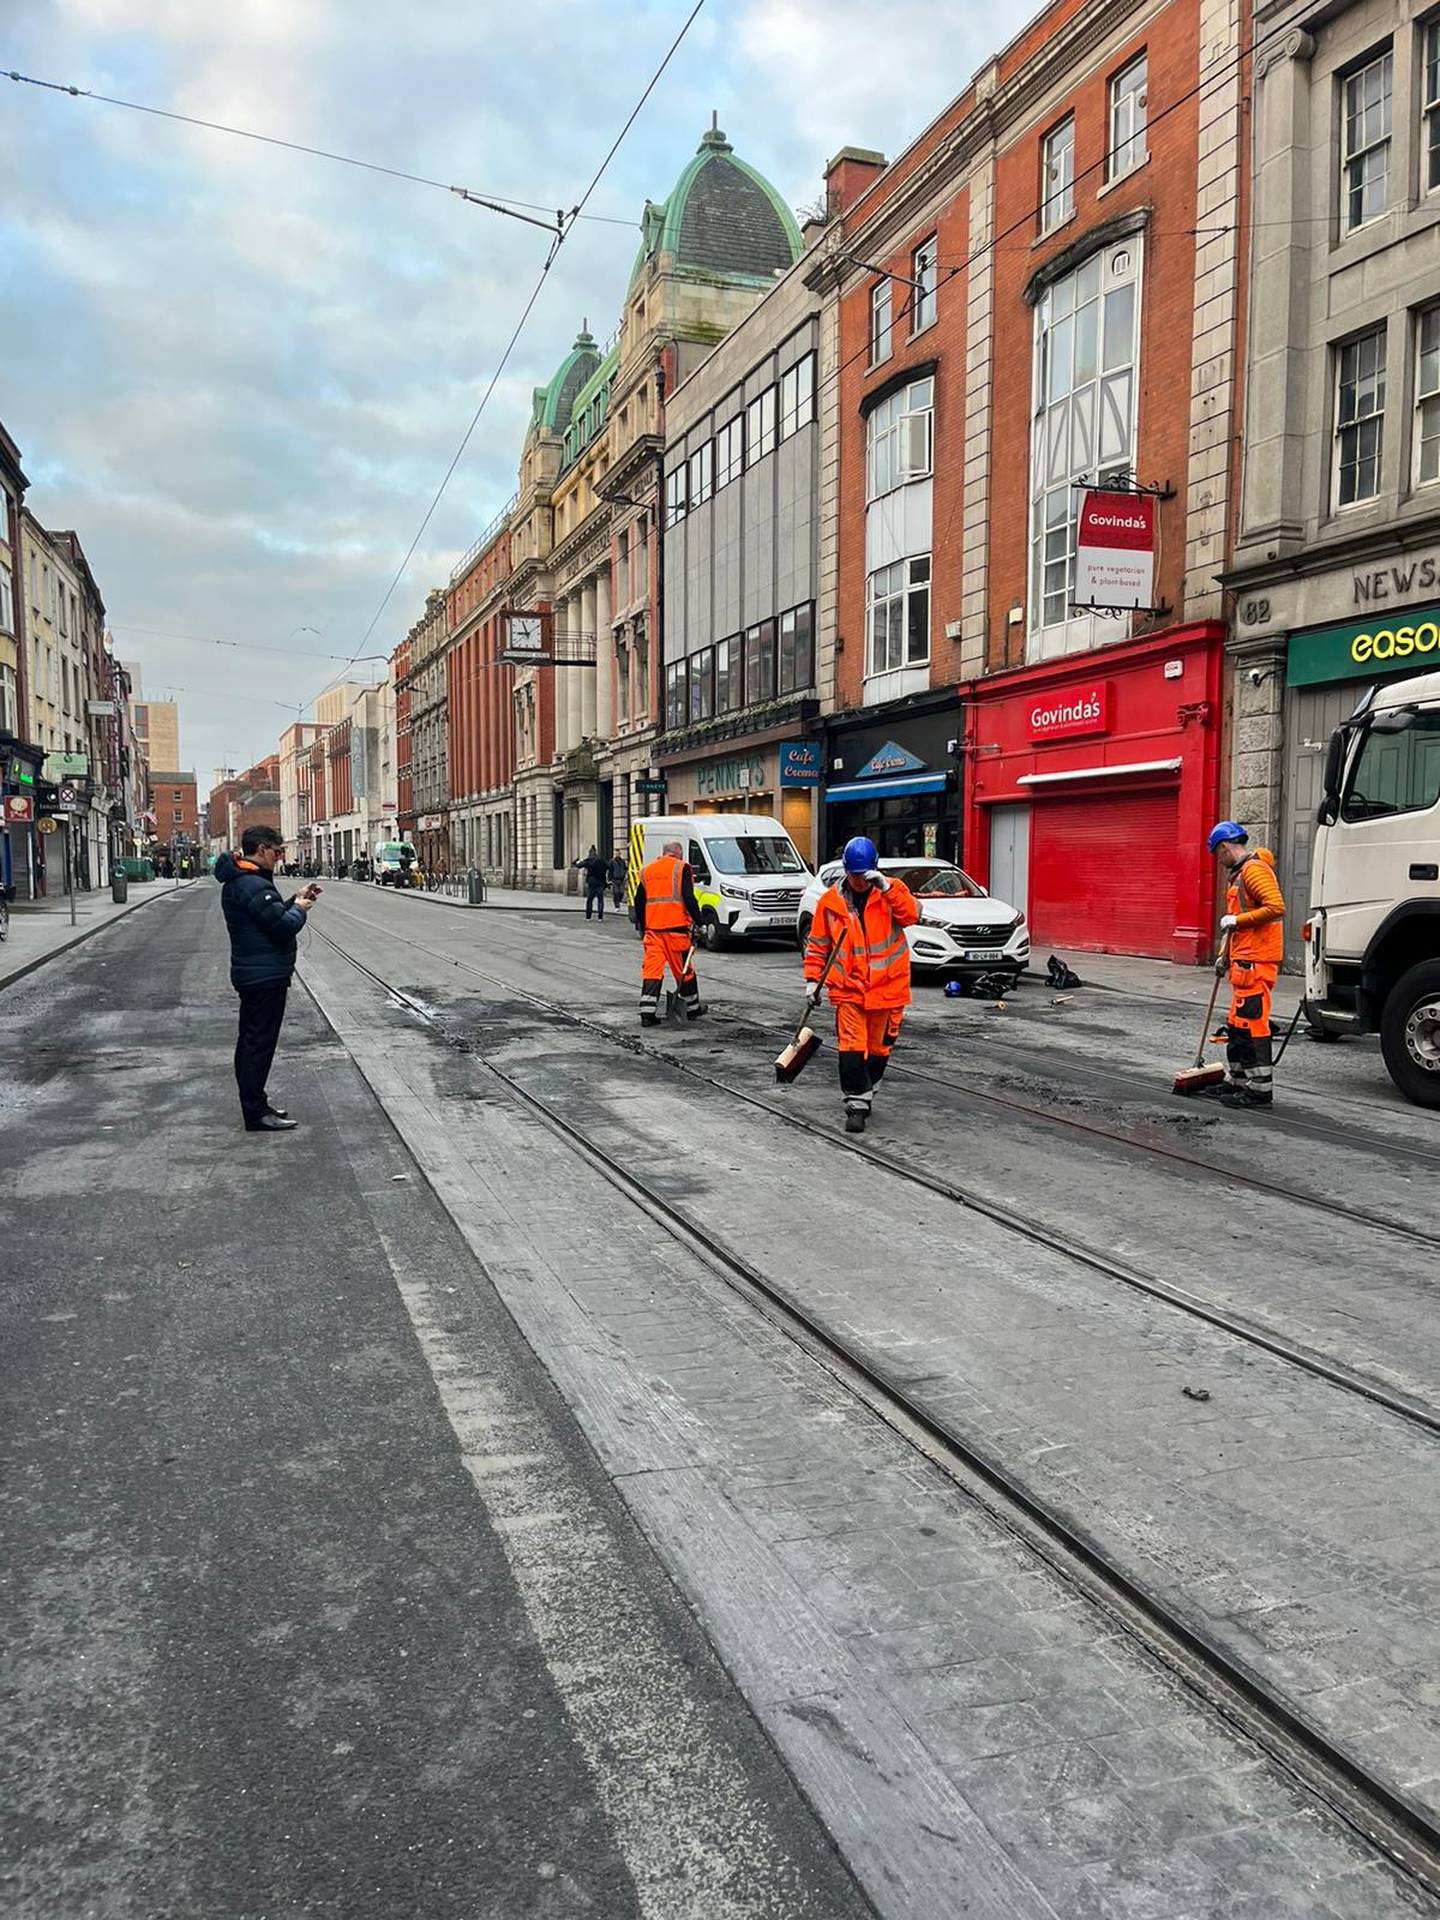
(1228, 922)
(812, 994)
(878, 879)
(1222, 965)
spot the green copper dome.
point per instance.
(554, 404)
(723, 220)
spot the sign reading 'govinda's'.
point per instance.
(1399, 642)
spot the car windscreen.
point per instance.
(747, 853)
(394, 850)
(942, 883)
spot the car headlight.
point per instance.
(733, 893)
(935, 926)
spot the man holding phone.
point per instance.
(262, 930)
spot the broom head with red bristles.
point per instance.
(1199, 1079)
(797, 1056)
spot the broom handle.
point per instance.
(824, 972)
(1210, 1010)
(1290, 1031)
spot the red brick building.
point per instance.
(400, 666)
(1042, 290)
(479, 695)
(175, 810)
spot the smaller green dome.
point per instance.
(555, 403)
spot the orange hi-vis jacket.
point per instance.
(872, 966)
(664, 883)
(1254, 898)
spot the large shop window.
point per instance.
(898, 617)
(1396, 772)
(1087, 349)
(900, 438)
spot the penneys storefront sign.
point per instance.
(1067, 715)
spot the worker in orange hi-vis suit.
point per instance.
(863, 920)
(666, 911)
(1254, 923)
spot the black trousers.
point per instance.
(595, 898)
(262, 1012)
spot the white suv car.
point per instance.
(962, 930)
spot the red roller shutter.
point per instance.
(1104, 871)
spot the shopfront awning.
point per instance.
(1097, 773)
(887, 789)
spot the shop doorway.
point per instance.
(1010, 856)
(1105, 872)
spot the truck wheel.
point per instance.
(710, 935)
(802, 931)
(1410, 1034)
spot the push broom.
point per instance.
(1199, 1078)
(795, 1057)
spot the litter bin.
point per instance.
(119, 887)
(477, 889)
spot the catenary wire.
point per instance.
(550, 257)
(497, 202)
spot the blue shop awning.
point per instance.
(887, 789)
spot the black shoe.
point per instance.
(1245, 1097)
(649, 1019)
(854, 1120)
(271, 1123)
(280, 1113)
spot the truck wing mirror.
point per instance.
(1334, 773)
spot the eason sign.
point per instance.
(1076, 711)
(1115, 551)
(1394, 643)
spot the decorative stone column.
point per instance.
(585, 601)
(604, 659)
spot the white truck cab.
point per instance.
(748, 874)
(1372, 939)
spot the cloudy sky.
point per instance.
(240, 373)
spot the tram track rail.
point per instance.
(1293, 1352)
(1336, 1779)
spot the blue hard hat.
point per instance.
(954, 988)
(1226, 830)
(860, 855)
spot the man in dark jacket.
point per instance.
(597, 875)
(262, 930)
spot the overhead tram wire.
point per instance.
(494, 202)
(561, 235)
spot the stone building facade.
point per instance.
(1335, 575)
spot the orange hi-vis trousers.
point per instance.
(670, 948)
(1248, 1049)
(864, 1037)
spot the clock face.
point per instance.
(526, 634)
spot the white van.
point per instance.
(748, 875)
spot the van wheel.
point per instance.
(1410, 1034)
(710, 934)
(802, 931)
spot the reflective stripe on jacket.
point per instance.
(1254, 897)
(872, 965)
(664, 885)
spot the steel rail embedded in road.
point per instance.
(1338, 1781)
(1055, 1240)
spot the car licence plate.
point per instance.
(983, 953)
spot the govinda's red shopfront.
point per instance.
(1093, 782)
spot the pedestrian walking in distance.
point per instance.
(861, 922)
(597, 878)
(262, 930)
(1254, 927)
(666, 912)
(617, 881)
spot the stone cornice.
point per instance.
(575, 552)
(1379, 542)
(637, 462)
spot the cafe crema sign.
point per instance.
(1397, 642)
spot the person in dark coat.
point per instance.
(262, 929)
(597, 876)
(617, 881)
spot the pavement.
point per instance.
(40, 929)
(313, 1598)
